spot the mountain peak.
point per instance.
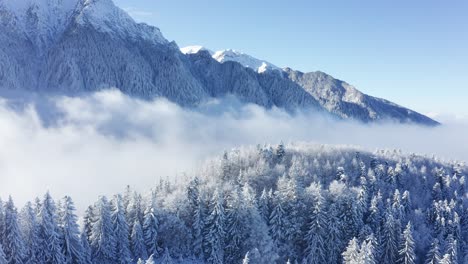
(244, 59)
(194, 50)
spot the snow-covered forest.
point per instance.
(266, 204)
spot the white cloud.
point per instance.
(93, 145)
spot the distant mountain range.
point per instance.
(77, 46)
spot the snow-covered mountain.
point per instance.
(244, 59)
(76, 46)
(336, 96)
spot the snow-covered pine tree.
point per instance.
(30, 230)
(351, 255)
(121, 231)
(235, 233)
(451, 248)
(433, 256)
(102, 240)
(13, 245)
(315, 238)
(258, 241)
(50, 235)
(407, 247)
(367, 253)
(264, 203)
(134, 210)
(389, 244)
(334, 240)
(138, 241)
(150, 230)
(215, 230)
(72, 247)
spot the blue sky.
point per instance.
(414, 53)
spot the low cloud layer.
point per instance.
(97, 144)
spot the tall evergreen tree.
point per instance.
(50, 250)
(215, 231)
(150, 230)
(121, 231)
(389, 246)
(30, 230)
(433, 256)
(13, 245)
(351, 254)
(72, 247)
(138, 241)
(234, 227)
(102, 240)
(316, 236)
(407, 247)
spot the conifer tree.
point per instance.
(389, 246)
(315, 237)
(13, 245)
(234, 227)
(138, 242)
(30, 230)
(407, 247)
(150, 230)
(121, 231)
(72, 246)
(215, 231)
(102, 240)
(50, 250)
(351, 254)
(433, 256)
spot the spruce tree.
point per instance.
(351, 254)
(150, 230)
(433, 256)
(407, 246)
(389, 246)
(13, 245)
(215, 231)
(102, 240)
(50, 234)
(234, 227)
(121, 231)
(30, 230)
(316, 236)
(138, 241)
(72, 246)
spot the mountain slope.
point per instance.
(76, 46)
(346, 101)
(336, 96)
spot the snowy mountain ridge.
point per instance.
(244, 59)
(337, 97)
(78, 46)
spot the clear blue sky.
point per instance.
(414, 53)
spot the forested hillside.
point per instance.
(267, 204)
